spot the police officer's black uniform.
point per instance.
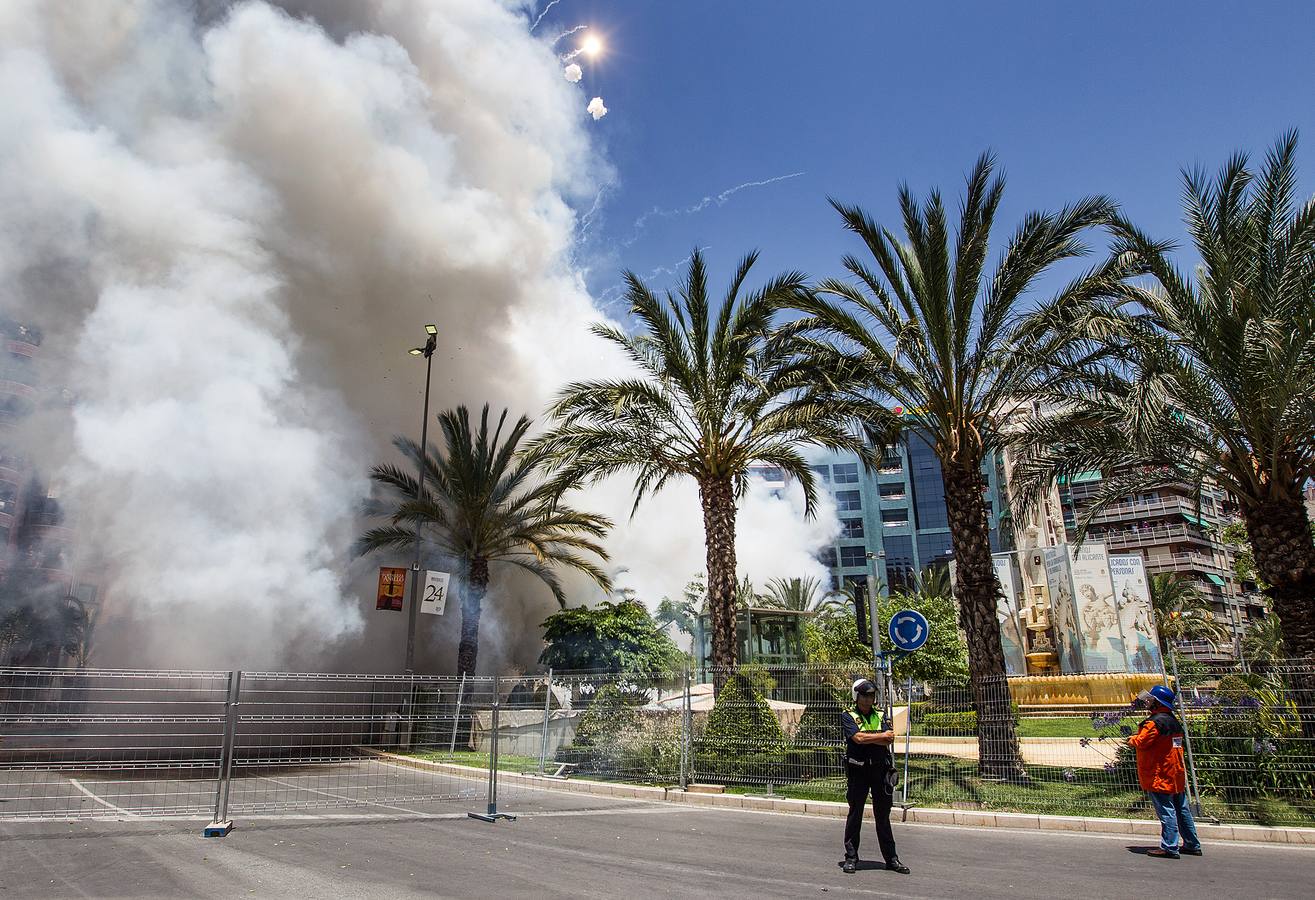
(869, 769)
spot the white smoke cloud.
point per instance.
(662, 547)
(596, 108)
(231, 222)
(573, 73)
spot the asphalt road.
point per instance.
(614, 849)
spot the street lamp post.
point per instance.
(413, 614)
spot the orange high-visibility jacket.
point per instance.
(1159, 746)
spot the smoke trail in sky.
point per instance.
(718, 199)
(543, 13)
(567, 33)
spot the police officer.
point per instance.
(869, 769)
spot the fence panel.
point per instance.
(87, 742)
(307, 741)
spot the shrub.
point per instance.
(947, 724)
(741, 736)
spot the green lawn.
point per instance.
(1055, 726)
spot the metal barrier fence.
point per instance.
(77, 743)
(776, 730)
(223, 745)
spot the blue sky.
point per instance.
(1075, 98)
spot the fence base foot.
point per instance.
(218, 829)
(491, 817)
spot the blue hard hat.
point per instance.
(1163, 695)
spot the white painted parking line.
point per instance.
(311, 790)
(102, 802)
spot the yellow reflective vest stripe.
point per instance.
(874, 721)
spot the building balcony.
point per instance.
(1127, 538)
(1136, 509)
(17, 389)
(21, 348)
(1158, 563)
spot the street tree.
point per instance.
(486, 503)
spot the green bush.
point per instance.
(742, 737)
(951, 724)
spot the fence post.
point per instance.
(456, 717)
(222, 825)
(492, 815)
(1187, 732)
(908, 734)
(685, 732)
(547, 708)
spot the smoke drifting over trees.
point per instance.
(230, 220)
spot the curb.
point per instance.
(1259, 834)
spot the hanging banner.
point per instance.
(1132, 596)
(1097, 617)
(434, 598)
(1063, 613)
(1011, 629)
(392, 588)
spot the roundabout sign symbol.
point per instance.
(908, 630)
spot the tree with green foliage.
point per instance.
(1209, 376)
(715, 395)
(484, 504)
(833, 641)
(1182, 613)
(609, 637)
(944, 657)
(1262, 644)
(932, 330)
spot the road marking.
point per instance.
(106, 803)
(414, 812)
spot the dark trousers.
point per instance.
(865, 780)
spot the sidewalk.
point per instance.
(831, 809)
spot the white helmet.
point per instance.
(862, 686)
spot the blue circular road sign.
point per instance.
(908, 630)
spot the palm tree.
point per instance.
(1182, 614)
(714, 395)
(798, 594)
(485, 504)
(1175, 379)
(931, 330)
(1262, 644)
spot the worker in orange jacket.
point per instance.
(1159, 746)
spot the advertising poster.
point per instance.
(1011, 631)
(1132, 596)
(1063, 615)
(1097, 616)
(392, 588)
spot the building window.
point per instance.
(893, 517)
(770, 473)
(892, 491)
(828, 557)
(928, 485)
(853, 556)
(899, 561)
(823, 472)
(933, 548)
(891, 462)
(851, 528)
(848, 501)
(845, 473)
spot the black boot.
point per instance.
(896, 866)
(851, 865)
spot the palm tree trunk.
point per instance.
(1285, 558)
(977, 589)
(472, 605)
(718, 497)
